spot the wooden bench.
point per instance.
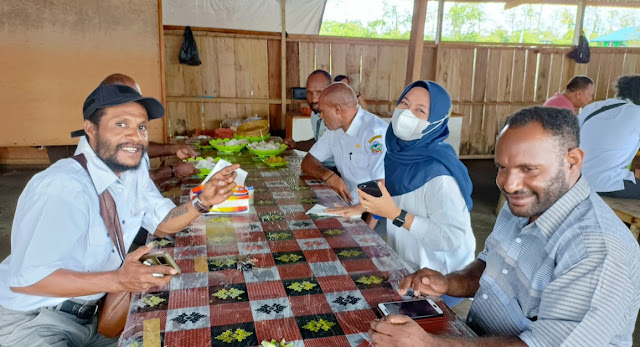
(628, 211)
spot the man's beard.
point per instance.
(557, 187)
(314, 107)
(109, 154)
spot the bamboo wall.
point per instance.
(486, 82)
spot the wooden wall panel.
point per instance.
(487, 83)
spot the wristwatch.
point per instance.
(199, 205)
(399, 221)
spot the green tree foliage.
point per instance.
(489, 22)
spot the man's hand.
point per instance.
(395, 330)
(290, 142)
(133, 276)
(346, 211)
(184, 152)
(424, 281)
(220, 186)
(337, 184)
(184, 170)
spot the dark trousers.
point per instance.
(631, 191)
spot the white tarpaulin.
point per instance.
(302, 17)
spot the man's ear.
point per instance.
(575, 157)
(90, 128)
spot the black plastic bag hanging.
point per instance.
(189, 53)
(581, 54)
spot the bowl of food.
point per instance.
(228, 145)
(204, 165)
(275, 161)
(254, 130)
(266, 149)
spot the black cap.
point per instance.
(107, 95)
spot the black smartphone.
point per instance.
(371, 188)
(416, 309)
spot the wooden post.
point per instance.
(163, 92)
(582, 5)
(283, 62)
(416, 41)
(439, 22)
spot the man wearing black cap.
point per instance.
(63, 259)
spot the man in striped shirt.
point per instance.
(559, 268)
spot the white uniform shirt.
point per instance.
(318, 127)
(610, 141)
(441, 237)
(57, 224)
(358, 152)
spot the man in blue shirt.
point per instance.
(62, 257)
(559, 268)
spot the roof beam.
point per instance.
(416, 41)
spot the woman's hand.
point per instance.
(346, 211)
(382, 206)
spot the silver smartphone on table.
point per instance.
(416, 309)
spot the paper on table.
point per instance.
(221, 164)
(299, 153)
(319, 211)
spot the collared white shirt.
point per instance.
(57, 224)
(610, 141)
(358, 152)
(440, 237)
(318, 127)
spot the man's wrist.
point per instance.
(326, 179)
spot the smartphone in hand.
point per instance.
(160, 259)
(416, 309)
(371, 188)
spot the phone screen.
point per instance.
(414, 309)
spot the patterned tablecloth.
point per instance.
(316, 280)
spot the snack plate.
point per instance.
(268, 153)
(253, 138)
(284, 163)
(219, 145)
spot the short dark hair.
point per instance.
(340, 78)
(628, 87)
(578, 83)
(323, 73)
(561, 123)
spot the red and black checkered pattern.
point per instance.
(315, 281)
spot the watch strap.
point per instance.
(199, 205)
(399, 221)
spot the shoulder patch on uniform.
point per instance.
(376, 147)
(375, 137)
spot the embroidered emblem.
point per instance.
(375, 137)
(162, 242)
(308, 200)
(231, 293)
(351, 253)
(278, 236)
(301, 224)
(315, 326)
(349, 300)
(287, 258)
(333, 232)
(300, 286)
(219, 263)
(369, 280)
(267, 309)
(192, 317)
(376, 147)
(272, 217)
(230, 336)
(153, 300)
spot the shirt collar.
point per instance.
(355, 124)
(553, 217)
(101, 175)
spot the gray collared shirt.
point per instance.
(571, 278)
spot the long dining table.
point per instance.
(315, 280)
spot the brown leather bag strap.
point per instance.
(108, 212)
